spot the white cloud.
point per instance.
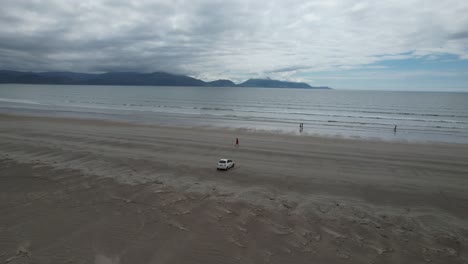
(391, 75)
(227, 39)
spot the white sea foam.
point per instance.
(22, 101)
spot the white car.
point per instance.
(225, 164)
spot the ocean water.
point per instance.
(420, 116)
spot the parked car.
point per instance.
(225, 164)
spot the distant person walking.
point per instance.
(237, 142)
(301, 127)
(394, 129)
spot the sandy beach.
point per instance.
(90, 191)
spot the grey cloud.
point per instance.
(289, 69)
(222, 39)
(459, 35)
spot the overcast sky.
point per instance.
(407, 44)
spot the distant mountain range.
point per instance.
(134, 78)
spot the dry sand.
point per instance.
(88, 191)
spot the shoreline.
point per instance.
(234, 129)
(301, 198)
(364, 126)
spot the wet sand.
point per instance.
(88, 191)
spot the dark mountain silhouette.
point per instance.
(71, 76)
(221, 83)
(156, 78)
(276, 84)
(134, 78)
(30, 78)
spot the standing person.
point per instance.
(394, 129)
(237, 142)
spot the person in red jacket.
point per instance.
(237, 142)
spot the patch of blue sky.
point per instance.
(441, 72)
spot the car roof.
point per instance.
(223, 159)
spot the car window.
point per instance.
(229, 160)
(222, 161)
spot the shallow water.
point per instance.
(420, 116)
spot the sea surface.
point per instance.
(419, 116)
